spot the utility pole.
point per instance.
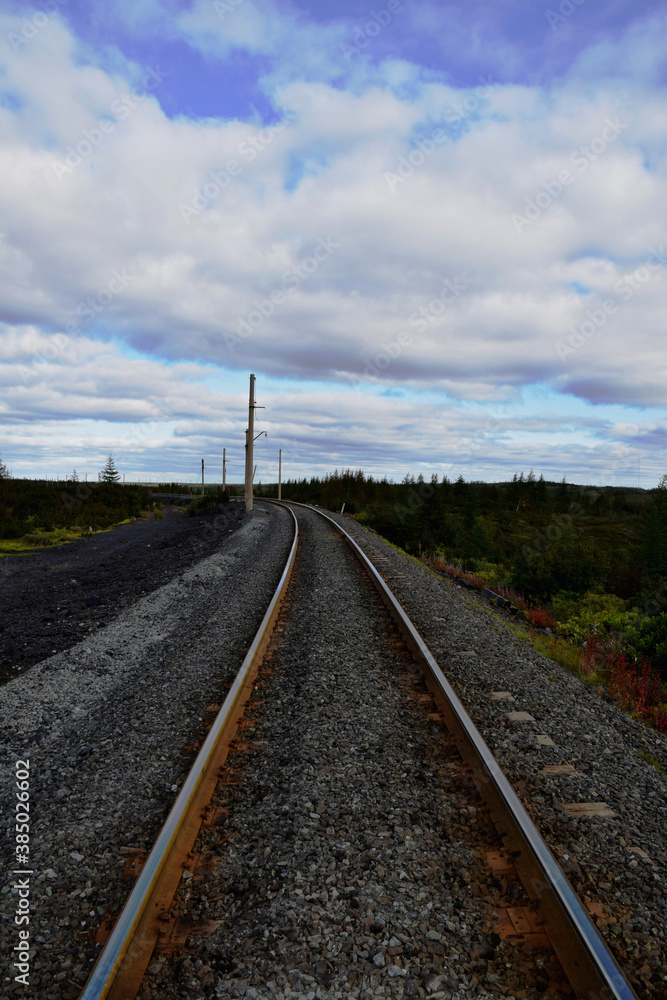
(250, 468)
(202, 477)
(249, 441)
(280, 472)
(224, 469)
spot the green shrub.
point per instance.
(209, 499)
(646, 636)
(596, 614)
(41, 538)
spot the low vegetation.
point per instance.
(209, 499)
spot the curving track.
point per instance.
(334, 627)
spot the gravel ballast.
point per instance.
(619, 862)
(106, 727)
(351, 861)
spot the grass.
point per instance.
(564, 653)
(650, 759)
(419, 560)
(36, 541)
(517, 631)
(15, 546)
(49, 539)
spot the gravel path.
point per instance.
(354, 865)
(620, 862)
(105, 727)
(52, 598)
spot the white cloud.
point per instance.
(68, 407)
(194, 277)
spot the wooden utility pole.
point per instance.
(202, 477)
(224, 469)
(280, 472)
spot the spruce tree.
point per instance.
(109, 473)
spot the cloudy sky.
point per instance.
(436, 232)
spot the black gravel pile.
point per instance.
(51, 599)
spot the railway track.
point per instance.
(419, 695)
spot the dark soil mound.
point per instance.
(51, 599)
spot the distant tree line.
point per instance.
(541, 536)
(28, 505)
(559, 546)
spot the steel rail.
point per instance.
(588, 963)
(118, 953)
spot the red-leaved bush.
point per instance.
(634, 685)
(541, 618)
(637, 689)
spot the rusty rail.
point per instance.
(121, 965)
(588, 963)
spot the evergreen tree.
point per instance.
(74, 478)
(655, 530)
(4, 474)
(563, 497)
(541, 494)
(109, 473)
